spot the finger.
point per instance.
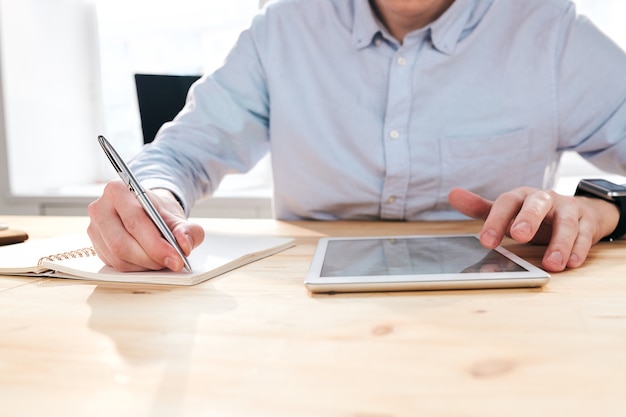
(536, 206)
(503, 212)
(118, 262)
(130, 255)
(119, 250)
(565, 232)
(100, 219)
(140, 242)
(188, 235)
(470, 204)
(98, 244)
(583, 243)
(114, 244)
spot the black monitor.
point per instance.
(160, 98)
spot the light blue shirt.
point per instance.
(360, 126)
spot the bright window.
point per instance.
(178, 37)
(175, 37)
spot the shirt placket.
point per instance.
(396, 133)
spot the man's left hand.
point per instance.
(568, 225)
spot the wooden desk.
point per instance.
(254, 342)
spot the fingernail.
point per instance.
(490, 238)
(523, 228)
(171, 263)
(189, 241)
(574, 260)
(556, 258)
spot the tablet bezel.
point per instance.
(532, 276)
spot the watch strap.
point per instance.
(620, 229)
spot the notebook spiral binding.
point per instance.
(78, 253)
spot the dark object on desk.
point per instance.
(10, 236)
(160, 98)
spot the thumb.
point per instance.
(188, 234)
(469, 203)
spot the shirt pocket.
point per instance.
(487, 165)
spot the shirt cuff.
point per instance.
(176, 191)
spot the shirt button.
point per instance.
(394, 134)
(378, 41)
(401, 61)
(391, 200)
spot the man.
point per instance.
(394, 110)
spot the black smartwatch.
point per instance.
(613, 193)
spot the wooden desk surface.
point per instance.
(254, 342)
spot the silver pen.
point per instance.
(133, 185)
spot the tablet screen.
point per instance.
(389, 263)
(406, 256)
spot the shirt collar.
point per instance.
(445, 32)
(366, 27)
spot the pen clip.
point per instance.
(119, 165)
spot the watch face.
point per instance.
(603, 188)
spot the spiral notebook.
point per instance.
(73, 257)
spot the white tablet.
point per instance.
(421, 262)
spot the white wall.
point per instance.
(51, 99)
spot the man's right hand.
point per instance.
(125, 238)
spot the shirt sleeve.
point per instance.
(222, 129)
(591, 94)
